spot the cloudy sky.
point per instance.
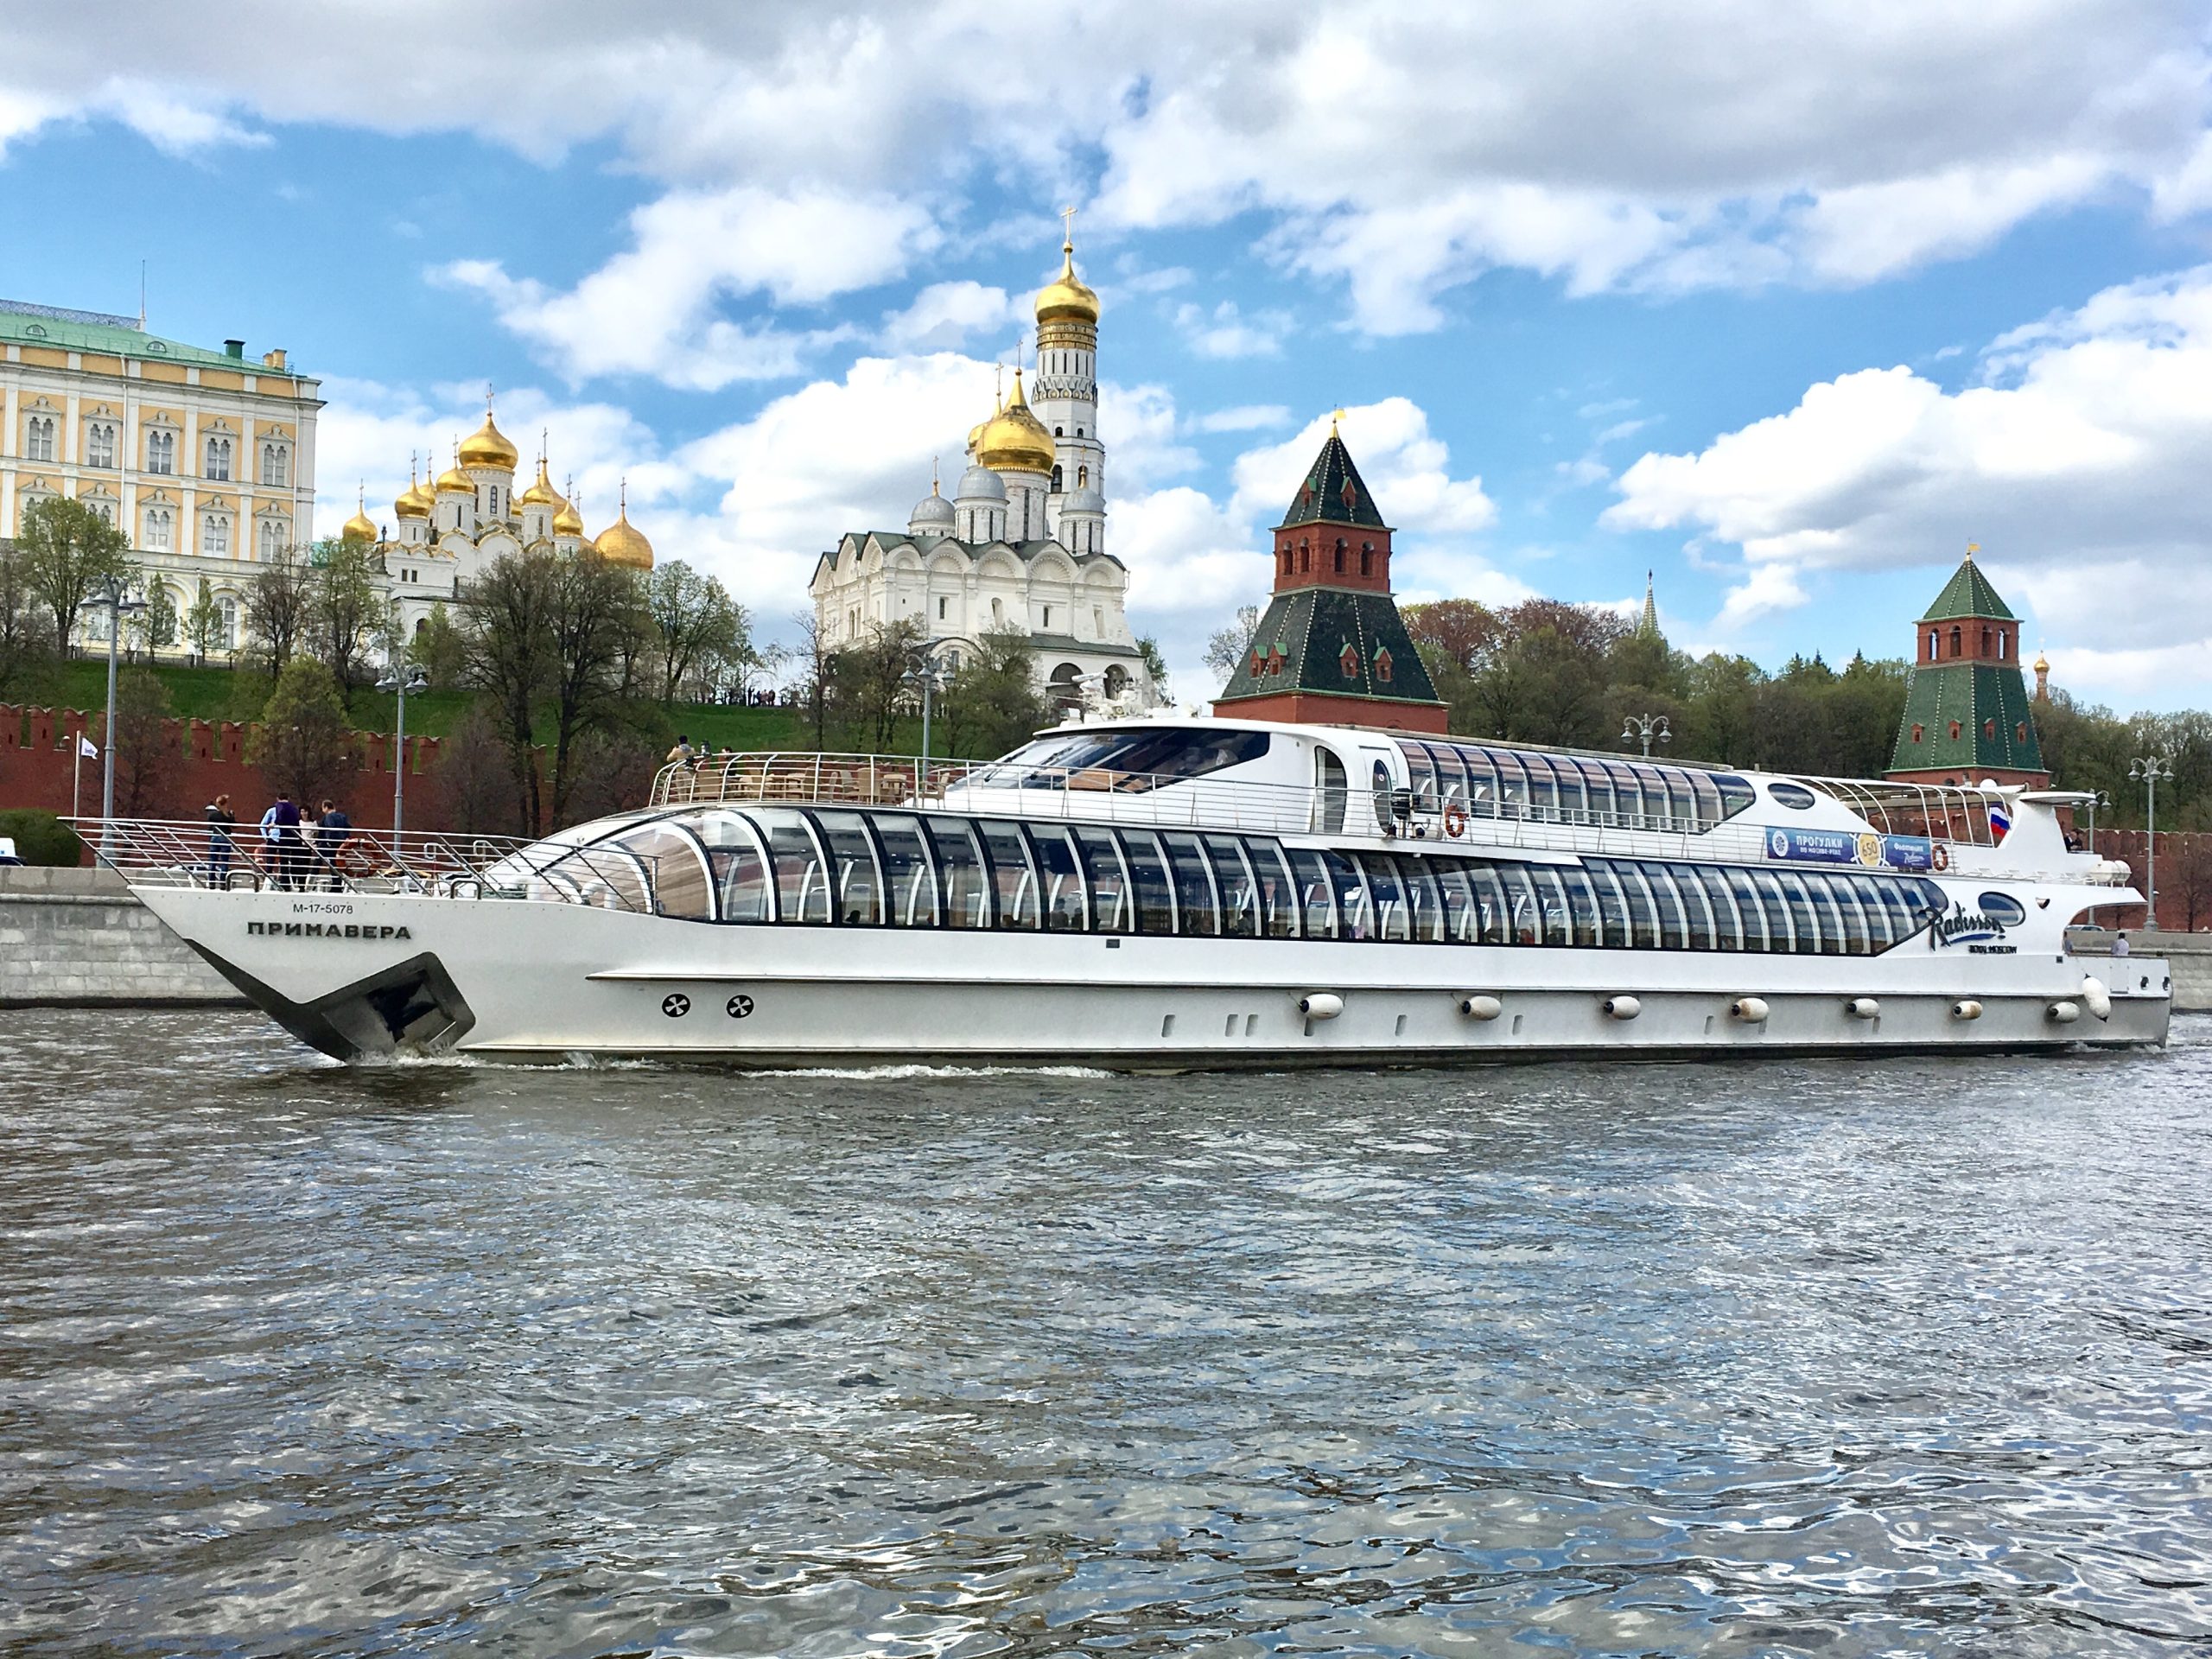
(1785, 303)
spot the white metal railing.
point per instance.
(1155, 801)
(193, 853)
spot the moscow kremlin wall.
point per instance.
(37, 745)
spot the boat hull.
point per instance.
(360, 975)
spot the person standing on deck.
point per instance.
(220, 822)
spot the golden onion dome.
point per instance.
(622, 543)
(488, 447)
(415, 500)
(541, 493)
(1066, 298)
(566, 521)
(2042, 663)
(361, 527)
(453, 479)
(1014, 440)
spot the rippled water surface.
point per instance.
(1913, 1358)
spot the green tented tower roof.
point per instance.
(1967, 593)
(1333, 641)
(1989, 702)
(1333, 492)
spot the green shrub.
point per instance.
(41, 838)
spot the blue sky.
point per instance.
(1785, 307)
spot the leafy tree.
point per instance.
(596, 608)
(156, 625)
(475, 777)
(203, 623)
(149, 758)
(440, 648)
(698, 628)
(1459, 632)
(1225, 647)
(1156, 665)
(301, 744)
(24, 631)
(993, 704)
(866, 690)
(343, 609)
(278, 603)
(69, 552)
(509, 659)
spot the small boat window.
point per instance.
(2002, 907)
(1796, 797)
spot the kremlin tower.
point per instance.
(1333, 647)
(1967, 712)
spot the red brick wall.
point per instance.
(1323, 709)
(36, 745)
(2180, 854)
(1305, 556)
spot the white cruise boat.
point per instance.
(1187, 892)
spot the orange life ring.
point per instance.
(1940, 857)
(1455, 820)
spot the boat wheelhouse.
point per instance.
(1190, 892)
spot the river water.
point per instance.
(1908, 1357)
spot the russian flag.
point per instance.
(2000, 824)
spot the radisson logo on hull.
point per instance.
(327, 930)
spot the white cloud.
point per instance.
(653, 310)
(2080, 465)
(1244, 418)
(1224, 332)
(1709, 142)
(944, 315)
(1407, 471)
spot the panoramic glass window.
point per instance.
(1196, 905)
(909, 889)
(1125, 761)
(1059, 878)
(1013, 876)
(1148, 862)
(859, 884)
(960, 866)
(1111, 911)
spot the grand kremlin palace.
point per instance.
(208, 461)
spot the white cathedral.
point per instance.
(1021, 544)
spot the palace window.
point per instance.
(228, 610)
(160, 530)
(215, 533)
(276, 466)
(272, 537)
(160, 451)
(38, 438)
(104, 507)
(219, 460)
(100, 444)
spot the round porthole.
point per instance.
(2002, 907)
(1796, 797)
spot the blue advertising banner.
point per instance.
(1812, 846)
(1909, 852)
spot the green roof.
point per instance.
(1997, 723)
(1333, 492)
(1967, 593)
(92, 331)
(1335, 640)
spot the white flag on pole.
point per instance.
(87, 748)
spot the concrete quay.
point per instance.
(77, 939)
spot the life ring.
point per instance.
(1940, 857)
(1455, 820)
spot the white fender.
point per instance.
(1622, 1008)
(1752, 1010)
(1863, 1007)
(1320, 1005)
(2063, 1014)
(2096, 997)
(1479, 1006)
(1967, 1009)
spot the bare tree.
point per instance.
(149, 758)
(595, 613)
(2190, 874)
(1225, 647)
(277, 607)
(509, 657)
(23, 628)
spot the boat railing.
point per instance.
(193, 853)
(1167, 802)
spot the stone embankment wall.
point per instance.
(77, 939)
(2190, 954)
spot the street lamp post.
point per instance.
(2147, 770)
(115, 604)
(1644, 727)
(928, 678)
(2097, 799)
(399, 681)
